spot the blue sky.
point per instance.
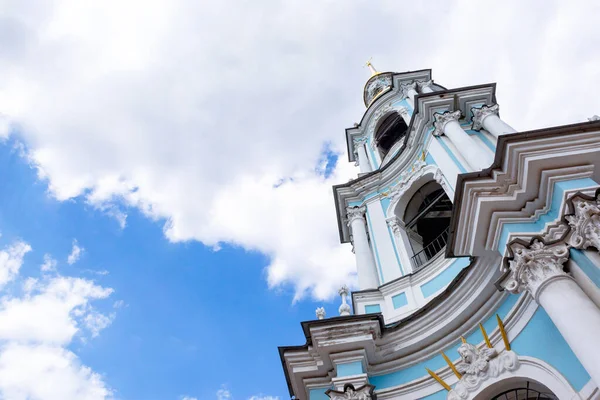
(189, 148)
(188, 320)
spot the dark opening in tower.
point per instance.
(427, 219)
(389, 131)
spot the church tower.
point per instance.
(477, 253)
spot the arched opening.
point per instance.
(427, 218)
(389, 131)
(520, 389)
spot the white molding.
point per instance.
(522, 184)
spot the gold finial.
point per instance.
(503, 333)
(462, 338)
(440, 380)
(451, 365)
(371, 67)
(485, 336)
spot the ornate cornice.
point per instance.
(440, 121)
(535, 265)
(585, 221)
(480, 113)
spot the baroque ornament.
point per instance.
(424, 84)
(440, 121)
(355, 213)
(478, 366)
(585, 222)
(535, 265)
(407, 180)
(344, 307)
(407, 87)
(481, 113)
(377, 84)
(364, 392)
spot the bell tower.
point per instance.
(413, 141)
(477, 251)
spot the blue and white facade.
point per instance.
(478, 255)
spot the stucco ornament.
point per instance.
(585, 222)
(441, 119)
(320, 312)
(407, 87)
(377, 85)
(534, 266)
(394, 225)
(344, 307)
(439, 178)
(425, 84)
(481, 113)
(364, 392)
(407, 179)
(355, 213)
(478, 366)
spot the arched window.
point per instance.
(389, 131)
(427, 219)
(527, 390)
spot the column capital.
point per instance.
(359, 141)
(424, 84)
(481, 113)
(403, 111)
(407, 87)
(440, 120)
(354, 213)
(585, 221)
(395, 225)
(535, 265)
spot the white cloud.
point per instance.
(47, 372)
(224, 394)
(188, 398)
(75, 253)
(193, 113)
(96, 322)
(119, 304)
(11, 259)
(37, 326)
(261, 397)
(49, 263)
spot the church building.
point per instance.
(477, 252)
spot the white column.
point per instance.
(476, 156)
(397, 230)
(538, 269)
(425, 87)
(409, 91)
(486, 117)
(403, 111)
(365, 263)
(362, 158)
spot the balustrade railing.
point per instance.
(429, 251)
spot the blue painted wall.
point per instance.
(318, 394)
(444, 277)
(372, 308)
(541, 339)
(348, 369)
(399, 300)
